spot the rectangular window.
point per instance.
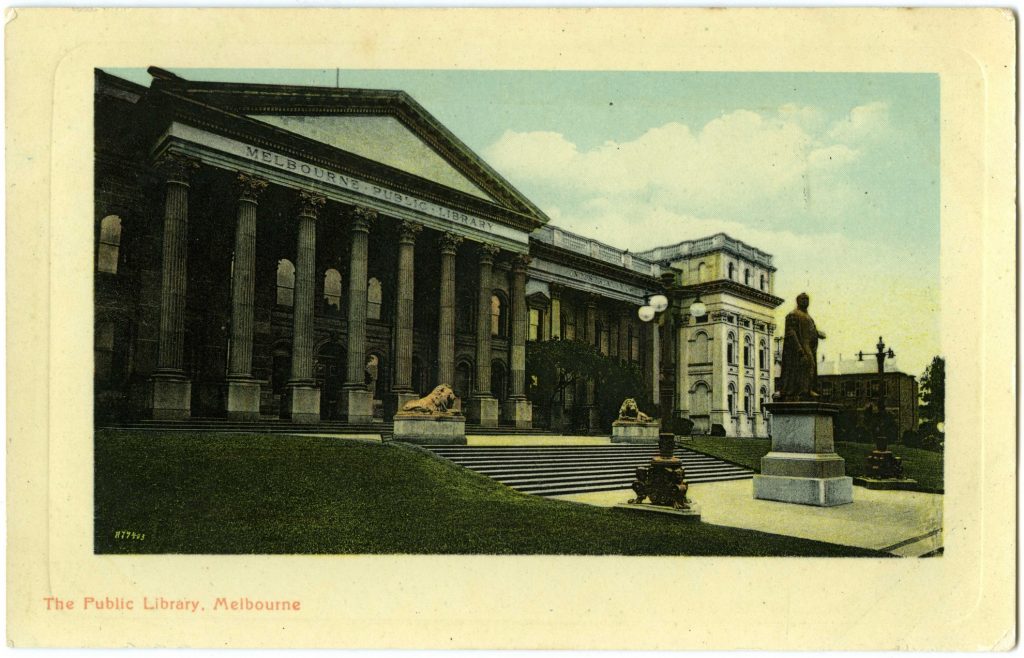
(534, 332)
(876, 388)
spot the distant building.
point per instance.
(854, 385)
(726, 376)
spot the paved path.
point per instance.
(905, 523)
(560, 470)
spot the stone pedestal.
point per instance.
(482, 411)
(630, 431)
(519, 412)
(355, 405)
(243, 399)
(172, 397)
(303, 403)
(430, 429)
(803, 466)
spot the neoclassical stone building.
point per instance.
(268, 251)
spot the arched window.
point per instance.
(108, 253)
(332, 290)
(762, 282)
(463, 384)
(746, 276)
(730, 349)
(732, 400)
(285, 282)
(732, 271)
(748, 349)
(700, 399)
(762, 355)
(701, 351)
(702, 272)
(374, 297)
(748, 401)
(499, 312)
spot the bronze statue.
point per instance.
(799, 379)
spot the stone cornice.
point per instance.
(222, 108)
(730, 287)
(587, 263)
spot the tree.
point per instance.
(553, 366)
(933, 392)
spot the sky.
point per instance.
(834, 174)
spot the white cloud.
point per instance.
(864, 123)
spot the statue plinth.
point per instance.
(635, 431)
(803, 466)
(430, 429)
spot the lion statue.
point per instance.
(629, 411)
(439, 401)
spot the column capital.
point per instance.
(407, 231)
(590, 300)
(556, 290)
(361, 218)
(249, 187)
(487, 252)
(309, 203)
(176, 167)
(449, 243)
(520, 262)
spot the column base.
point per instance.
(520, 412)
(303, 403)
(355, 406)
(482, 411)
(172, 397)
(242, 401)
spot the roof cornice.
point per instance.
(731, 287)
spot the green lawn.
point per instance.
(924, 466)
(250, 493)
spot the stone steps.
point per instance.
(561, 470)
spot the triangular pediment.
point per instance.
(382, 139)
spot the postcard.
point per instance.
(555, 329)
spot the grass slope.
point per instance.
(924, 466)
(250, 493)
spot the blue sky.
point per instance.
(836, 175)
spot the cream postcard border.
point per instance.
(963, 600)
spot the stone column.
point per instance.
(243, 391)
(446, 310)
(483, 408)
(172, 389)
(590, 402)
(517, 408)
(402, 390)
(355, 401)
(303, 395)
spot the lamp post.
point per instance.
(882, 464)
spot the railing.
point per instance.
(598, 250)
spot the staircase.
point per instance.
(561, 470)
